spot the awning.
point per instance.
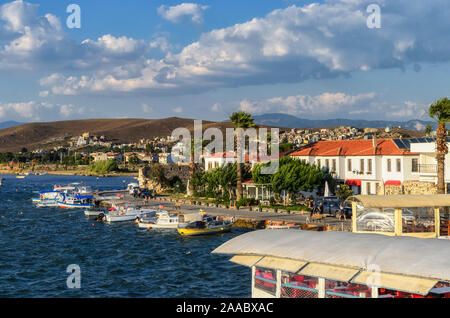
(393, 182)
(353, 182)
(331, 272)
(415, 285)
(284, 264)
(402, 200)
(246, 260)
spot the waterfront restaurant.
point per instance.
(333, 264)
(423, 216)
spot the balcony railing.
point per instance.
(426, 168)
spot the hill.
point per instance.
(289, 121)
(33, 135)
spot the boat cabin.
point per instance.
(424, 216)
(333, 264)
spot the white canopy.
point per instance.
(408, 256)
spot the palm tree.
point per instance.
(242, 120)
(440, 112)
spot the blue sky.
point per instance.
(206, 59)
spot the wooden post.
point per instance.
(278, 286)
(374, 292)
(437, 222)
(398, 229)
(253, 281)
(321, 287)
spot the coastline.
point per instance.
(71, 173)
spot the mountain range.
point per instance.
(8, 124)
(289, 121)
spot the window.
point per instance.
(389, 166)
(369, 166)
(415, 165)
(362, 166)
(334, 165)
(209, 165)
(216, 164)
(418, 220)
(368, 188)
(327, 164)
(349, 165)
(318, 163)
(399, 165)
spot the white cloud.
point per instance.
(216, 107)
(326, 103)
(146, 108)
(288, 45)
(175, 14)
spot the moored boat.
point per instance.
(76, 202)
(165, 220)
(208, 225)
(282, 226)
(126, 213)
(48, 199)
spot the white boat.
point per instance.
(283, 226)
(20, 177)
(165, 220)
(76, 202)
(93, 213)
(48, 199)
(1, 182)
(126, 213)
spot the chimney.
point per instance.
(374, 142)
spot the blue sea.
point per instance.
(115, 260)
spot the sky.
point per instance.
(207, 59)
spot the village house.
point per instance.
(363, 164)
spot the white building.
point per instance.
(363, 164)
(426, 167)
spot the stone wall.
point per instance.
(170, 171)
(408, 187)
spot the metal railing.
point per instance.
(430, 168)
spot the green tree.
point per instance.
(344, 191)
(440, 112)
(428, 130)
(242, 120)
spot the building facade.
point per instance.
(362, 164)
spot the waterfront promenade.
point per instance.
(244, 214)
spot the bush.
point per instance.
(104, 166)
(247, 202)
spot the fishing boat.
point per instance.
(282, 226)
(20, 177)
(126, 213)
(48, 199)
(165, 220)
(92, 213)
(76, 202)
(208, 225)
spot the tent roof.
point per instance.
(425, 258)
(402, 201)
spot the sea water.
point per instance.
(115, 260)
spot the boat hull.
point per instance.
(149, 225)
(206, 231)
(74, 206)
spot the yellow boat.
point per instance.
(205, 227)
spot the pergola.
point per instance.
(420, 216)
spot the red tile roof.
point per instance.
(362, 147)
